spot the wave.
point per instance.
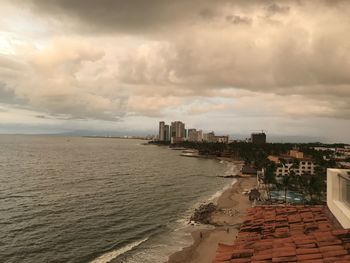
(107, 257)
(217, 194)
(15, 196)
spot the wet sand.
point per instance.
(227, 219)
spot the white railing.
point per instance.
(338, 195)
(344, 187)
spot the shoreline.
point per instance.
(226, 220)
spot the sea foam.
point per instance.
(107, 257)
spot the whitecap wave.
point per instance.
(107, 257)
(217, 194)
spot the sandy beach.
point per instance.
(231, 206)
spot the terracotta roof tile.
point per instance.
(309, 256)
(287, 234)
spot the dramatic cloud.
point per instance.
(118, 60)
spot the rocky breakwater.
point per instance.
(203, 213)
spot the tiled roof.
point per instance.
(287, 234)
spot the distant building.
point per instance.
(194, 136)
(161, 135)
(258, 138)
(211, 137)
(294, 160)
(222, 139)
(199, 136)
(164, 132)
(296, 154)
(177, 131)
(167, 133)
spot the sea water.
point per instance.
(75, 199)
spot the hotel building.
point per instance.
(286, 163)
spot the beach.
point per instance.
(228, 216)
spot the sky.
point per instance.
(120, 67)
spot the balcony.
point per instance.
(344, 186)
(338, 195)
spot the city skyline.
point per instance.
(233, 66)
(177, 132)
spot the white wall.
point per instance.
(339, 209)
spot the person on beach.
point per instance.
(200, 235)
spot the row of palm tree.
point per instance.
(310, 186)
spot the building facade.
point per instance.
(222, 139)
(161, 135)
(167, 133)
(194, 136)
(211, 137)
(177, 131)
(164, 132)
(295, 161)
(258, 138)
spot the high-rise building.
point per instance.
(192, 135)
(209, 137)
(258, 138)
(199, 136)
(167, 133)
(177, 131)
(161, 131)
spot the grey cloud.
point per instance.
(195, 52)
(126, 15)
(48, 81)
(41, 117)
(8, 96)
(295, 57)
(10, 64)
(207, 14)
(146, 16)
(275, 8)
(235, 19)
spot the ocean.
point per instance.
(76, 199)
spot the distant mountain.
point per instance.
(104, 133)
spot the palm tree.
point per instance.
(291, 178)
(316, 187)
(269, 178)
(285, 185)
(302, 184)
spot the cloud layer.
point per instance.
(110, 60)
